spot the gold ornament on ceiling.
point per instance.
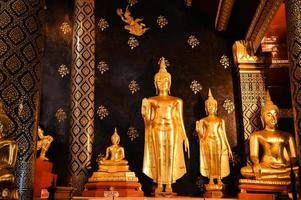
(135, 26)
(103, 24)
(134, 87)
(65, 28)
(224, 61)
(228, 105)
(195, 86)
(133, 42)
(102, 112)
(60, 115)
(162, 21)
(188, 3)
(102, 67)
(63, 70)
(132, 133)
(132, 2)
(193, 41)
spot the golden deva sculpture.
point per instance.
(43, 144)
(8, 157)
(278, 148)
(135, 26)
(214, 147)
(164, 134)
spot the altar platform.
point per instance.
(149, 198)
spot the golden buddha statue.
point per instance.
(214, 147)
(113, 167)
(164, 134)
(43, 144)
(114, 158)
(8, 157)
(277, 147)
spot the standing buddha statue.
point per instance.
(164, 134)
(214, 147)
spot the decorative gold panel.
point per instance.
(82, 93)
(21, 44)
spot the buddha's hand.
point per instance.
(257, 170)
(231, 155)
(186, 146)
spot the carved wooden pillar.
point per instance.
(252, 86)
(293, 21)
(82, 93)
(21, 46)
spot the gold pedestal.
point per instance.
(113, 168)
(113, 176)
(214, 191)
(262, 189)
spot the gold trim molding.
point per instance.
(262, 19)
(223, 14)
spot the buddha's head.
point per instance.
(115, 137)
(269, 113)
(162, 78)
(210, 104)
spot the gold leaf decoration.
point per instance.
(134, 87)
(195, 86)
(162, 21)
(133, 42)
(103, 24)
(193, 41)
(65, 28)
(132, 133)
(102, 112)
(63, 70)
(103, 67)
(228, 105)
(60, 115)
(224, 61)
(132, 2)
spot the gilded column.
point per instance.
(293, 21)
(82, 93)
(21, 46)
(252, 86)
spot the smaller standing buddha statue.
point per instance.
(214, 147)
(43, 144)
(8, 157)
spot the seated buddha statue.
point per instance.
(277, 147)
(8, 157)
(114, 158)
(43, 143)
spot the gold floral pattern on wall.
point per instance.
(102, 112)
(134, 86)
(193, 41)
(224, 61)
(102, 67)
(132, 2)
(60, 115)
(65, 28)
(133, 42)
(63, 70)
(162, 21)
(228, 106)
(195, 86)
(132, 133)
(103, 24)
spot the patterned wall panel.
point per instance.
(252, 87)
(293, 19)
(82, 93)
(21, 44)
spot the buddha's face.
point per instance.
(162, 83)
(270, 118)
(211, 107)
(115, 140)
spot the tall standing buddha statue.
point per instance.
(164, 134)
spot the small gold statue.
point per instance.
(113, 167)
(164, 134)
(8, 157)
(43, 144)
(278, 148)
(214, 147)
(135, 27)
